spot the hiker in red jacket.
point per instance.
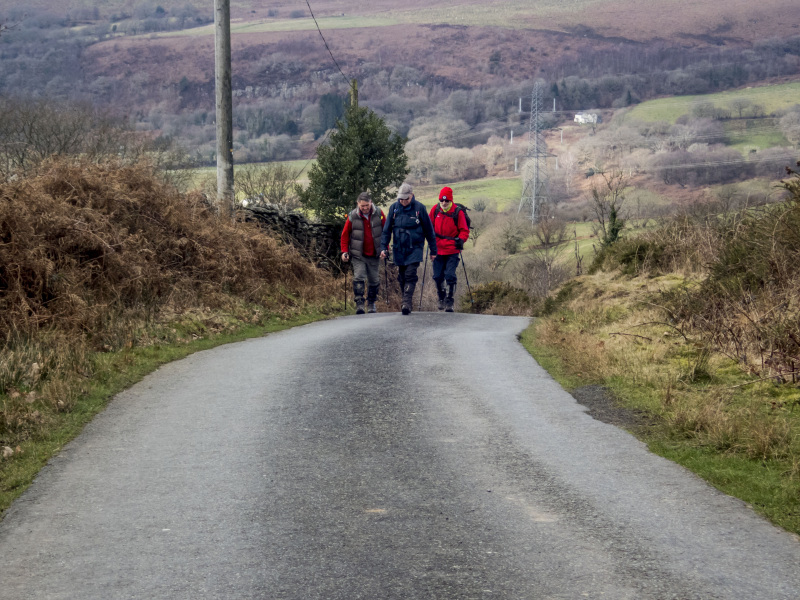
(451, 229)
(361, 242)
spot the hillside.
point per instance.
(737, 21)
(453, 41)
(465, 64)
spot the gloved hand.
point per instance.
(459, 244)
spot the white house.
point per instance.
(586, 118)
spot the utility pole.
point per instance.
(224, 105)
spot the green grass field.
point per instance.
(304, 24)
(202, 173)
(500, 194)
(772, 97)
(754, 134)
(506, 14)
(515, 14)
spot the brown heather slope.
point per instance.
(451, 42)
(82, 244)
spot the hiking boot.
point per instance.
(372, 294)
(449, 301)
(371, 308)
(408, 296)
(406, 309)
(441, 293)
(358, 296)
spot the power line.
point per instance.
(333, 58)
(325, 42)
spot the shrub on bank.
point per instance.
(96, 258)
(84, 241)
(498, 298)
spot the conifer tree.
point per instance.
(363, 155)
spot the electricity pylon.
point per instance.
(534, 189)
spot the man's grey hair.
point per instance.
(364, 197)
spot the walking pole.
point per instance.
(463, 264)
(345, 287)
(386, 277)
(424, 272)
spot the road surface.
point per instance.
(376, 457)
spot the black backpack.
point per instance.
(454, 214)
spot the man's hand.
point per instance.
(345, 256)
(383, 253)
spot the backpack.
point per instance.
(454, 214)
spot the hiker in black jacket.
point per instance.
(407, 226)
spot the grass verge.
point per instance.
(735, 431)
(113, 372)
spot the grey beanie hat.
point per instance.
(405, 191)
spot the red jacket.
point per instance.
(444, 226)
(369, 244)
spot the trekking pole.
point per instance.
(386, 277)
(345, 287)
(463, 264)
(424, 272)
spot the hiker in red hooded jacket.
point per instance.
(451, 229)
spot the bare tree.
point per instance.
(513, 232)
(570, 166)
(480, 221)
(739, 105)
(31, 131)
(607, 197)
(790, 126)
(551, 236)
(268, 184)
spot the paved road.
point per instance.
(376, 457)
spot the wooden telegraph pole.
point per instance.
(224, 105)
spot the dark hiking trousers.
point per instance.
(444, 269)
(407, 274)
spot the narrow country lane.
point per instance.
(376, 457)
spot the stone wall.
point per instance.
(317, 241)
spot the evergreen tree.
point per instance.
(363, 154)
